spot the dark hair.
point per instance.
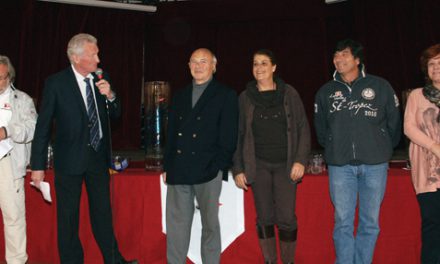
(267, 53)
(356, 48)
(428, 54)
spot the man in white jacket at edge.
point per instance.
(17, 125)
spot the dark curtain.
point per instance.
(40, 33)
(301, 33)
(394, 34)
(233, 31)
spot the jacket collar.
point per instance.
(337, 76)
(210, 91)
(74, 87)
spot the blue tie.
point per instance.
(93, 117)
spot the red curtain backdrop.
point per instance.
(301, 33)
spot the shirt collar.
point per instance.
(79, 77)
(7, 91)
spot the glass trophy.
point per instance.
(156, 98)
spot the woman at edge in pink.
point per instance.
(422, 127)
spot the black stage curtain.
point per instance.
(37, 43)
(301, 33)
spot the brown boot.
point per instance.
(287, 245)
(268, 244)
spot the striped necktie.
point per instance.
(93, 116)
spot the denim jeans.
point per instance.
(349, 183)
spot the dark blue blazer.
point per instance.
(201, 140)
(62, 103)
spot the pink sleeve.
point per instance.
(410, 126)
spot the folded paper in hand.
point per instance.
(45, 190)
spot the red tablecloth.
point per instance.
(137, 217)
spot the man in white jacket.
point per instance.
(17, 125)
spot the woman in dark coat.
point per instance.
(272, 150)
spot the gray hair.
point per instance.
(76, 44)
(11, 71)
(214, 60)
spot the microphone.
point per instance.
(99, 73)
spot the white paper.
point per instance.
(45, 190)
(5, 147)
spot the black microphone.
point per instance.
(99, 73)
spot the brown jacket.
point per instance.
(298, 134)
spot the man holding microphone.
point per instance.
(75, 98)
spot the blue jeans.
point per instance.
(349, 183)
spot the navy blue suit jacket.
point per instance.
(63, 103)
(201, 140)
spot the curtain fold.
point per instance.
(301, 33)
(45, 31)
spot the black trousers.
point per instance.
(430, 212)
(68, 191)
(274, 196)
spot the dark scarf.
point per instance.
(432, 94)
(257, 99)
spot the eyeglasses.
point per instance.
(2, 78)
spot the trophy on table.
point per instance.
(156, 98)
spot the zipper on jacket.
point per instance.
(354, 150)
(350, 90)
(362, 75)
(353, 147)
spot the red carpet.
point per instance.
(136, 204)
